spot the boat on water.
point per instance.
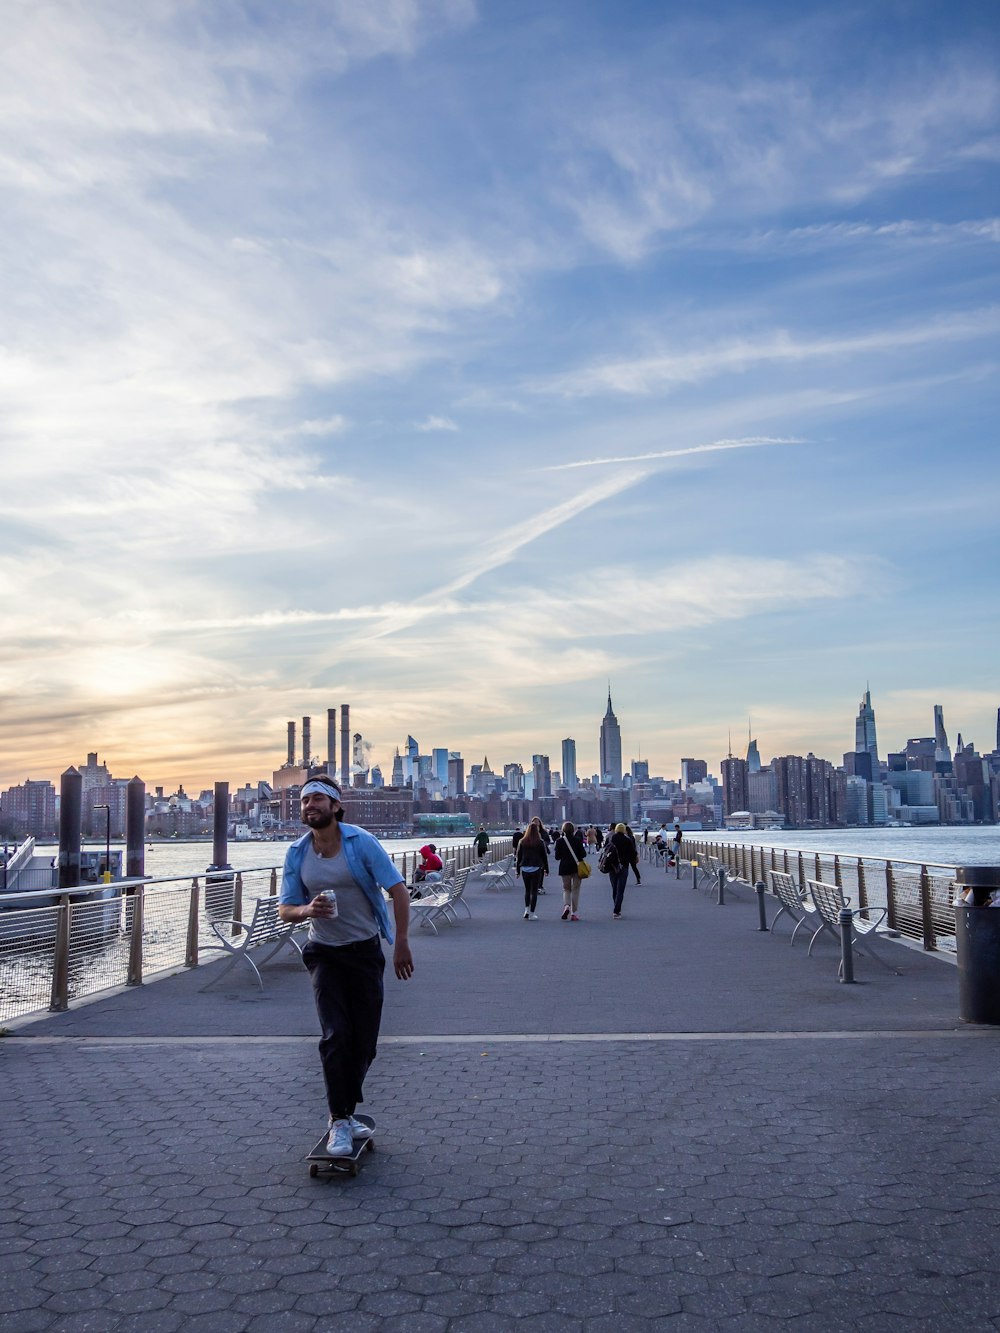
(30, 881)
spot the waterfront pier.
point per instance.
(671, 1121)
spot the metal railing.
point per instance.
(88, 940)
(918, 896)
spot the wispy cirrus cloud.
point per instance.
(433, 423)
(750, 442)
(645, 374)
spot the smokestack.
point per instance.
(291, 744)
(331, 741)
(306, 741)
(345, 745)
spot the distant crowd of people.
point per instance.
(616, 853)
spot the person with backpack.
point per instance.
(569, 851)
(532, 865)
(617, 855)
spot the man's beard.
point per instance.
(317, 819)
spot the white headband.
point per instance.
(315, 788)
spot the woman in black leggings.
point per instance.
(532, 865)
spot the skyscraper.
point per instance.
(753, 754)
(542, 776)
(942, 750)
(410, 759)
(611, 747)
(569, 764)
(864, 731)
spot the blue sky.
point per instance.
(452, 359)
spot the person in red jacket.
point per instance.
(431, 864)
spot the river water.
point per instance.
(976, 846)
(940, 846)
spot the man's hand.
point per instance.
(402, 960)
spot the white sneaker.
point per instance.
(532, 916)
(340, 1142)
(359, 1130)
(527, 914)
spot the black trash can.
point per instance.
(977, 943)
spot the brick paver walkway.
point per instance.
(717, 1136)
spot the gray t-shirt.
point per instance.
(355, 919)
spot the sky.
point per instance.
(454, 359)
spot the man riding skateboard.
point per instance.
(333, 878)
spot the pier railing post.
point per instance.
(59, 1000)
(237, 902)
(722, 886)
(273, 886)
(191, 950)
(846, 946)
(926, 912)
(761, 910)
(134, 977)
(890, 897)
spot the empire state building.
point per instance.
(611, 747)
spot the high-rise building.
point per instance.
(864, 731)
(29, 809)
(753, 756)
(456, 773)
(439, 766)
(611, 747)
(398, 780)
(692, 771)
(513, 779)
(410, 759)
(762, 791)
(640, 770)
(569, 765)
(735, 791)
(942, 750)
(793, 798)
(542, 776)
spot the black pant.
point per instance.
(619, 878)
(532, 883)
(347, 985)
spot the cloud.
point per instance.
(437, 423)
(645, 374)
(751, 442)
(335, 425)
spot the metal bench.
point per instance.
(266, 928)
(441, 903)
(829, 900)
(801, 909)
(499, 876)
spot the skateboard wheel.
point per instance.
(314, 1170)
(370, 1145)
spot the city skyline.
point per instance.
(452, 359)
(404, 757)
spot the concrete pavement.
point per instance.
(668, 1121)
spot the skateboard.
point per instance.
(320, 1160)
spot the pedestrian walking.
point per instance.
(616, 857)
(591, 839)
(482, 842)
(532, 865)
(569, 852)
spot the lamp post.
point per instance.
(106, 877)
